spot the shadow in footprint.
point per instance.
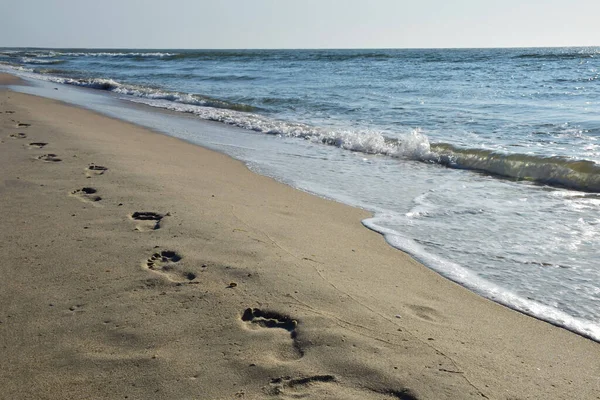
(86, 194)
(273, 319)
(270, 319)
(321, 386)
(94, 169)
(165, 264)
(425, 313)
(49, 158)
(280, 386)
(19, 135)
(38, 145)
(287, 381)
(23, 125)
(147, 220)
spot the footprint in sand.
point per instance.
(38, 145)
(329, 387)
(425, 313)
(86, 194)
(287, 385)
(19, 135)
(23, 125)
(273, 319)
(49, 158)
(165, 263)
(94, 169)
(9, 112)
(147, 220)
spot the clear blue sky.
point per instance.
(299, 24)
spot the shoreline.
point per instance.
(218, 132)
(359, 333)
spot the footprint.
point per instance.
(425, 313)
(272, 319)
(49, 158)
(149, 221)
(279, 386)
(165, 263)
(328, 386)
(19, 135)
(287, 381)
(86, 194)
(22, 125)
(94, 169)
(9, 112)
(38, 145)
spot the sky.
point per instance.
(241, 24)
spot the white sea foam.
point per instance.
(113, 54)
(116, 87)
(17, 68)
(41, 54)
(414, 146)
(43, 61)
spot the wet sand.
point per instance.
(138, 266)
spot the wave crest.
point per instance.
(149, 93)
(580, 175)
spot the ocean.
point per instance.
(483, 164)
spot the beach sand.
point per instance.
(229, 284)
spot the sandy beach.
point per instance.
(139, 266)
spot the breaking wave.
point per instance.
(582, 175)
(149, 93)
(66, 53)
(115, 54)
(43, 61)
(560, 55)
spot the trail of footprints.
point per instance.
(167, 264)
(50, 157)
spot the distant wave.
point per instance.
(218, 78)
(115, 54)
(44, 61)
(561, 55)
(324, 55)
(16, 67)
(150, 93)
(58, 53)
(431, 55)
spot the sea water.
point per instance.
(481, 163)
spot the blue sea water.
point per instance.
(481, 163)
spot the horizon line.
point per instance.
(302, 48)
